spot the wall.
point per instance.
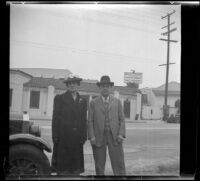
(155, 103)
(16, 83)
(151, 112)
(157, 109)
(170, 100)
(45, 109)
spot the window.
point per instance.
(127, 108)
(35, 99)
(10, 101)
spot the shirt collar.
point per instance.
(103, 98)
(74, 96)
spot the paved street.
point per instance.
(151, 148)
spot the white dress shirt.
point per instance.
(105, 100)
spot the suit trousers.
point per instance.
(116, 154)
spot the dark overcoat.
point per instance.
(69, 124)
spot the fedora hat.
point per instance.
(72, 79)
(105, 80)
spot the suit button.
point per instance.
(74, 129)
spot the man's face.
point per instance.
(105, 89)
(72, 87)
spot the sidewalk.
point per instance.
(154, 125)
(48, 122)
(147, 124)
(143, 154)
(137, 160)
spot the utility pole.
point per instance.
(168, 40)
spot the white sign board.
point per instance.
(130, 77)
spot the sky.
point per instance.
(95, 40)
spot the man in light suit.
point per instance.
(106, 128)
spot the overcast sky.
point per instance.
(96, 40)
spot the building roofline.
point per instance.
(19, 71)
(162, 92)
(41, 82)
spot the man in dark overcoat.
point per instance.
(69, 124)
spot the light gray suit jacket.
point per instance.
(96, 119)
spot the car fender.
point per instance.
(30, 139)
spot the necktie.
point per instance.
(106, 104)
(106, 99)
(74, 96)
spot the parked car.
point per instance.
(26, 150)
(174, 119)
(177, 118)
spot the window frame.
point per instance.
(128, 111)
(32, 104)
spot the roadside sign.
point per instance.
(130, 77)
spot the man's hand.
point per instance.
(120, 139)
(93, 141)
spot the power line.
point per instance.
(142, 13)
(116, 25)
(146, 13)
(138, 12)
(137, 17)
(104, 22)
(94, 52)
(101, 22)
(141, 18)
(138, 9)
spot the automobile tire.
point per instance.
(25, 159)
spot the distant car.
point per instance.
(26, 150)
(174, 118)
(171, 119)
(177, 118)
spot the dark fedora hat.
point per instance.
(105, 80)
(72, 79)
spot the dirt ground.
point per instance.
(150, 149)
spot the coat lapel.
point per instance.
(101, 104)
(68, 99)
(111, 100)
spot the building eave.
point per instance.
(162, 93)
(40, 82)
(20, 72)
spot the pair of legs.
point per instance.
(68, 160)
(116, 154)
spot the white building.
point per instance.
(153, 100)
(35, 96)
